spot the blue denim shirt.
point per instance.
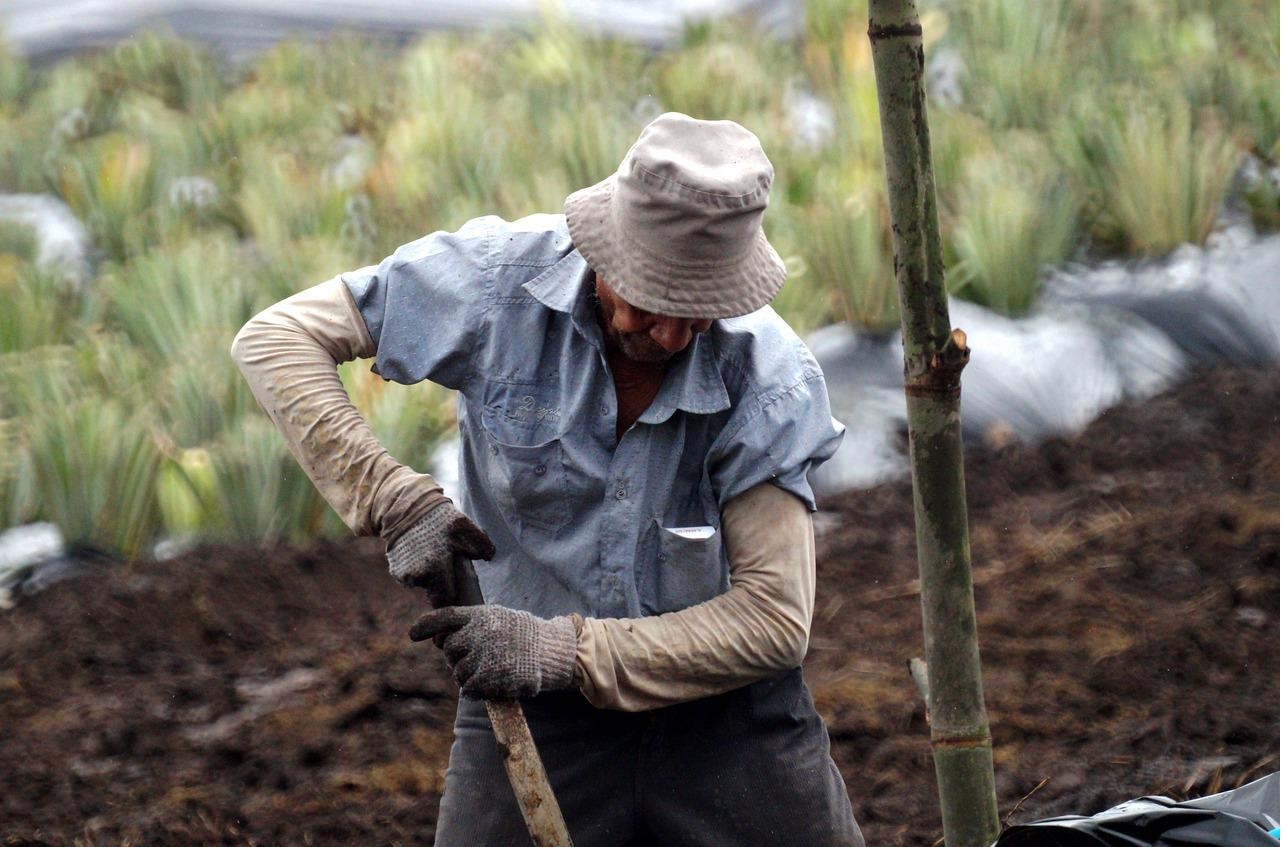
(501, 312)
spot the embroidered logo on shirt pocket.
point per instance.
(689, 567)
(528, 481)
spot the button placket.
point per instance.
(622, 500)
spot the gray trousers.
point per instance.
(749, 767)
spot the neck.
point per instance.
(635, 386)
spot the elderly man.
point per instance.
(636, 429)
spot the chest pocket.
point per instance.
(689, 567)
(526, 474)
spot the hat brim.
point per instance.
(657, 283)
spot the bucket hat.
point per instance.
(676, 230)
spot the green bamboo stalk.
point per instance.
(934, 355)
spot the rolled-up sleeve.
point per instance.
(778, 438)
(426, 306)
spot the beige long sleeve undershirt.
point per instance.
(760, 626)
(289, 355)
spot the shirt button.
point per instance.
(621, 493)
(539, 470)
(663, 557)
(605, 410)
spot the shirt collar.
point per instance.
(563, 287)
(693, 382)
(560, 284)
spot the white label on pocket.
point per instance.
(698, 533)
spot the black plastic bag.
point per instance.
(1239, 818)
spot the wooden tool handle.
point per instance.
(525, 771)
(521, 759)
(467, 588)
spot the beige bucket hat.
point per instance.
(676, 230)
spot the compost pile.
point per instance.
(1126, 581)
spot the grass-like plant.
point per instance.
(260, 492)
(1156, 173)
(1262, 199)
(89, 455)
(35, 306)
(838, 64)
(17, 241)
(587, 97)
(109, 183)
(408, 420)
(17, 480)
(95, 464)
(168, 300)
(443, 158)
(262, 109)
(283, 197)
(1013, 219)
(728, 72)
(181, 74)
(801, 302)
(200, 393)
(178, 146)
(848, 250)
(15, 77)
(1245, 90)
(186, 494)
(1019, 58)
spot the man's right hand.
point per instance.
(424, 556)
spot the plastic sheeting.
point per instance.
(1050, 373)
(1099, 336)
(1055, 371)
(1238, 818)
(1220, 305)
(865, 384)
(62, 242)
(31, 556)
(239, 28)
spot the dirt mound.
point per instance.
(1126, 581)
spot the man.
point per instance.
(636, 428)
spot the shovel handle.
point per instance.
(467, 588)
(520, 757)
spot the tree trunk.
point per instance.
(934, 355)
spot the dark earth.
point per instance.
(1126, 581)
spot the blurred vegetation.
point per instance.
(1061, 128)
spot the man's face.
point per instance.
(643, 336)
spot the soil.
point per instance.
(1126, 582)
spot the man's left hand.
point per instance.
(498, 653)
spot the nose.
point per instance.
(672, 334)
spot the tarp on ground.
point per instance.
(1242, 817)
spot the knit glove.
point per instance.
(424, 556)
(502, 654)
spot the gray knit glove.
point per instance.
(424, 556)
(502, 654)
